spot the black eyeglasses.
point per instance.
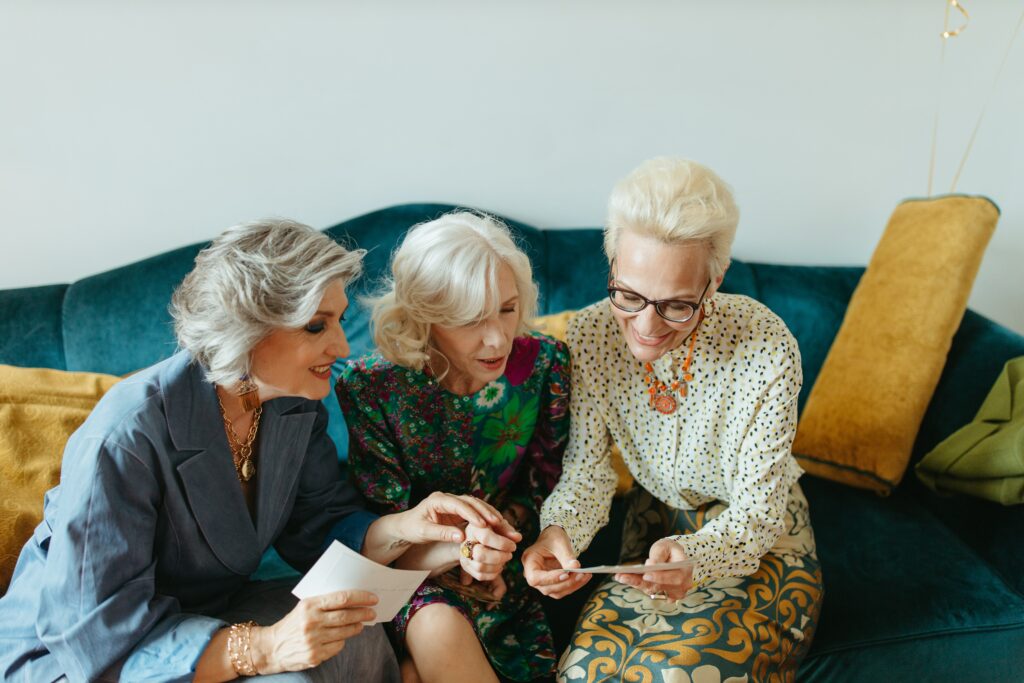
(673, 310)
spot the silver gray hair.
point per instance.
(253, 279)
(446, 273)
(676, 201)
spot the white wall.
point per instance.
(128, 128)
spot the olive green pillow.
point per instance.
(985, 458)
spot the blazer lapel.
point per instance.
(283, 442)
(208, 475)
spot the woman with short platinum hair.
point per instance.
(462, 397)
(699, 389)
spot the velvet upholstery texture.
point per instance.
(862, 415)
(917, 586)
(31, 323)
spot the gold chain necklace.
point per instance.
(241, 453)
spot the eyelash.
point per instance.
(317, 328)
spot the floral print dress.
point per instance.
(410, 437)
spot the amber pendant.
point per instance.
(665, 404)
(246, 470)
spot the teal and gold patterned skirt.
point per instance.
(748, 629)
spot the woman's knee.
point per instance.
(437, 619)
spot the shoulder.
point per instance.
(367, 370)
(130, 422)
(535, 354)
(593, 325)
(755, 327)
(138, 402)
(549, 350)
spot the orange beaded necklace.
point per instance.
(661, 398)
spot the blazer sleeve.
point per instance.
(327, 507)
(98, 591)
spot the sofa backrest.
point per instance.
(117, 322)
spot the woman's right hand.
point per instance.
(314, 631)
(545, 562)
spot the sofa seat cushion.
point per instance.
(905, 597)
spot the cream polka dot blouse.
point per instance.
(729, 440)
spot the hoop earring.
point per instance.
(431, 351)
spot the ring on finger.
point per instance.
(466, 549)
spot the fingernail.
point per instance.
(648, 577)
(563, 577)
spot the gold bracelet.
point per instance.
(239, 648)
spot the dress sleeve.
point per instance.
(544, 451)
(374, 462)
(581, 501)
(327, 506)
(733, 543)
(98, 594)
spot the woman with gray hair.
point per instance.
(188, 471)
(462, 397)
(698, 389)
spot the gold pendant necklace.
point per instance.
(241, 452)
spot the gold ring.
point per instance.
(466, 549)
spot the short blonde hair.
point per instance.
(676, 201)
(253, 279)
(446, 273)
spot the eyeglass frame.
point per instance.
(657, 302)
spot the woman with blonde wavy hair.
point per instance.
(189, 470)
(462, 397)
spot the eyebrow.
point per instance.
(330, 314)
(511, 299)
(685, 297)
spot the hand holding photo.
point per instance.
(341, 568)
(631, 568)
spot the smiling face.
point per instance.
(656, 270)
(298, 362)
(477, 353)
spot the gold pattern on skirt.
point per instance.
(753, 628)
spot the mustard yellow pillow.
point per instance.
(865, 408)
(556, 325)
(39, 409)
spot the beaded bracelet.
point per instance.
(239, 650)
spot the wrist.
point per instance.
(390, 528)
(262, 649)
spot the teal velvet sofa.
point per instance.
(917, 587)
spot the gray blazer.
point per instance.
(148, 536)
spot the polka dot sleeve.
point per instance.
(733, 543)
(581, 501)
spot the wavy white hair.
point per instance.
(676, 201)
(446, 273)
(251, 280)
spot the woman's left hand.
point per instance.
(442, 516)
(673, 584)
